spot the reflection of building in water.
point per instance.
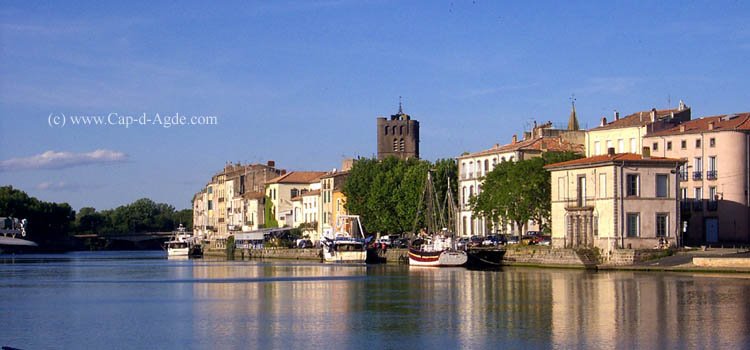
(606, 310)
(271, 301)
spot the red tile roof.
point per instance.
(298, 177)
(639, 119)
(606, 159)
(540, 144)
(737, 121)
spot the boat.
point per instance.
(347, 244)
(432, 247)
(11, 230)
(183, 244)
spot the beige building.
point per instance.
(625, 135)
(714, 181)
(220, 208)
(282, 189)
(614, 201)
(472, 168)
(332, 199)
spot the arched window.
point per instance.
(510, 159)
(401, 145)
(395, 145)
(502, 159)
(394, 130)
(385, 129)
(486, 166)
(401, 130)
(463, 195)
(463, 226)
(471, 191)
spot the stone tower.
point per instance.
(398, 136)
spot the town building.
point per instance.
(472, 167)
(282, 189)
(714, 181)
(615, 201)
(625, 135)
(221, 207)
(398, 137)
(332, 199)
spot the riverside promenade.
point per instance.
(724, 260)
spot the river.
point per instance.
(126, 300)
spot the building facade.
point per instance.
(625, 135)
(472, 167)
(615, 201)
(332, 199)
(714, 181)
(282, 189)
(398, 136)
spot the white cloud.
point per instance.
(56, 186)
(61, 160)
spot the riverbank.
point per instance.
(696, 260)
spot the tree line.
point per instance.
(51, 225)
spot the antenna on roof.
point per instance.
(573, 100)
(400, 109)
(669, 101)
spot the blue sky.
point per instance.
(301, 82)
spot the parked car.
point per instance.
(401, 243)
(544, 240)
(475, 241)
(462, 242)
(385, 240)
(513, 240)
(491, 240)
(304, 243)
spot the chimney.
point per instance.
(653, 115)
(617, 115)
(611, 151)
(682, 106)
(271, 163)
(283, 172)
(710, 125)
(646, 153)
(514, 139)
(604, 121)
(682, 127)
(640, 116)
(497, 145)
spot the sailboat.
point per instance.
(347, 244)
(436, 245)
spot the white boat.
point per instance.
(347, 243)
(183, 243)
(434, 248)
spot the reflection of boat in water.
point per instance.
(436, 248)
(347, 244)
(183, 243)
(485, 258)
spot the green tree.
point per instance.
(518, 191)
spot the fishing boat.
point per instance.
(183, 244)
(347, 243)
(435, 247)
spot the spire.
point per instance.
(400, 107)
(573, 120)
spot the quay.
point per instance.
(693, 260)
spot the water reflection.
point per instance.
(159, 303)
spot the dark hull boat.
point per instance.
(485, 259)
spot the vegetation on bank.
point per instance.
(51, 225)
(516, 192)
(387, 194)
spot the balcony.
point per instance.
(712, 205)
(683, 175)
(697, 175)
(711, 175)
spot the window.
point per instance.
(712, 194)
(210, 204)
(669, 145)
(597, 148)
(560, 188)
(385, 130)
(712, 142)
(662, 225)
(662, 185)
(486, 166)
(581, 191)
(698, 143)
(210, 190)
(395, 145)
(698, 193)
(633, 223)
(463, 170)
(655, 146)
(602, 185)
(620, 146)
(463, 192)
(633, 146)
(683, 193)
(595, 225)
(632, 185)
(609, 145)
(683, 144)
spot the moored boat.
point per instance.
(183, 244)
(347, 244)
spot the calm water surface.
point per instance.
(128, 300)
